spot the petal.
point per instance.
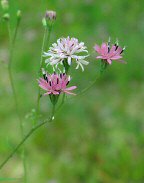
(46, 54)
(109, 61)
(83, 62)
(112, 50)
(118, 51)
(65, 91)
(47, 93)
(79, 57)
(71, 88)
(97, 49)
(122, 61)
(104, 49)
(77, 66)
(55, 92)
(116, 57)
(99, 57)
(81, 66)
(43, 84)
(53, 62)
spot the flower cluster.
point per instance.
(68, 49)
(64, 52)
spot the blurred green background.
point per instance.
(97, 137)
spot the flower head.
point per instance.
(51, 15)
(49, 18)
(109, 53)
(55, 84)
(67, 49)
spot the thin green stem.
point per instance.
(12, 45)
(15, 32)
(23, 141)
(87, 88)
(43, 47)
(80, 93)
(62, 102)
(53, 111)
(48, 36)
(41, 63)
(45, 43)
(92, 83)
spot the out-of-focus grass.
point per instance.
(97, 137)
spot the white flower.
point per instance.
(68, 49)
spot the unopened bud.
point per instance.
(51, 15)
(5, 4)
(6, 16)
(19, 14)
(44, 22)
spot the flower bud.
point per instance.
(54, 99)
(5, 4)
(44, 22)
(6, 16)
(51, 15)
(19, 14)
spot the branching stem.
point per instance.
(23, 140)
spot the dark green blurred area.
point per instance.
(97, 137)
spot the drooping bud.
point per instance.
(5, 4)
(51, 15)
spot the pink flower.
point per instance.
(56, 84)
(108, 53)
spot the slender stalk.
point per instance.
(53, 111)
(80, 93)
(48, 36)
(93, 83)
(62, 102)
(45, 44)
(43, 47)
(12, 45)
(23, 141)
(41, 62)
(87, 88)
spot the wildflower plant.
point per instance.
(56, 81)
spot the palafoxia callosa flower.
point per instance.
(55, 84)
(109, 52)
(69, 50)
